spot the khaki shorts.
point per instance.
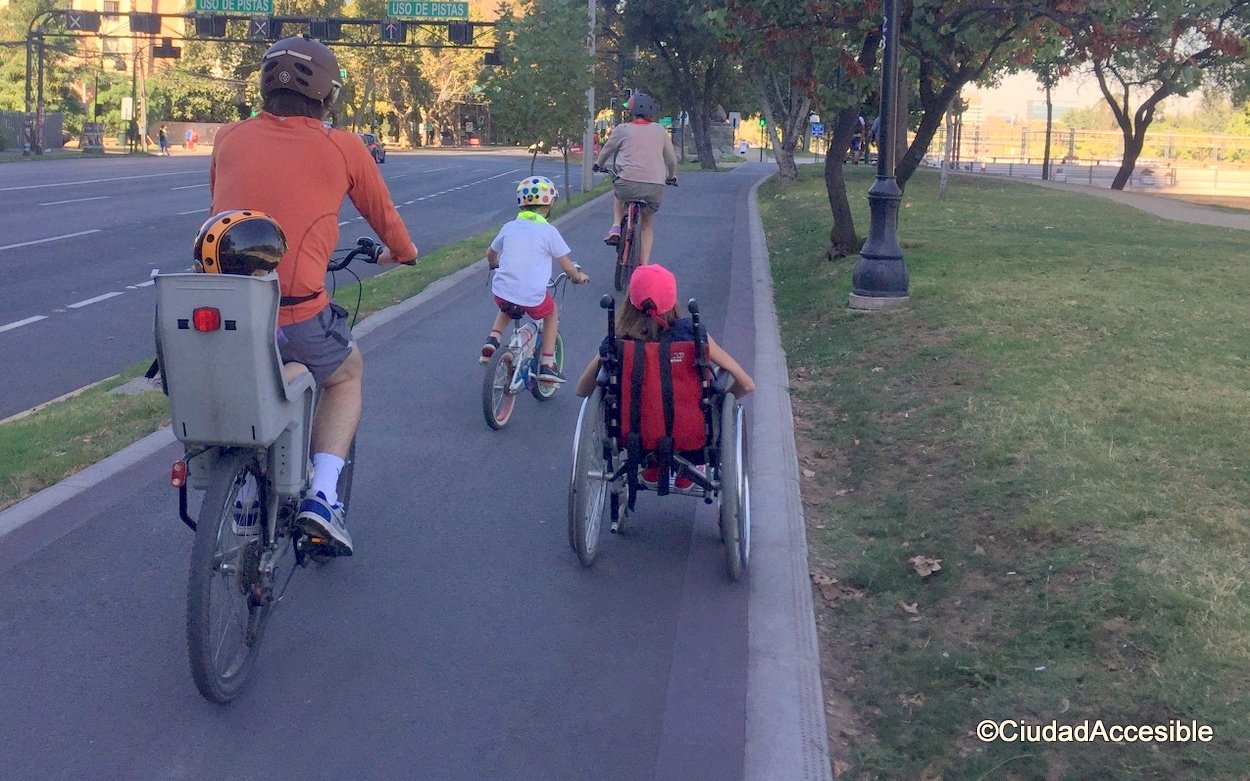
(650, 194)
(322, 342)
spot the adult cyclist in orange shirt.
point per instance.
(287, 163)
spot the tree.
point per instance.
(1145, 52)
(538, 94)
(682, 37)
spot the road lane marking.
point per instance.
(193, 211)
(50, 238)
(94, 181)
(90, 301)
(189, 186)
(149, 283)
(75, 200)
(20, 323)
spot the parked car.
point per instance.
(375, 146)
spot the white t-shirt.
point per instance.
(526, 250)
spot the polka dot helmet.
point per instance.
(536, 191)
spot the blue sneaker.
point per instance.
(324, 521)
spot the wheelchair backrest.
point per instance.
(216, 342)
(689, 430)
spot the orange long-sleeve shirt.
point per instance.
(297, 171)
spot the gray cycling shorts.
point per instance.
(650, 194)
(322, 342)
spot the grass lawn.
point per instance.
(41, 449)
(1058, 419)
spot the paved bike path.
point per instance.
(463, 641)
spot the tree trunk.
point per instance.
(946, 157)
(930, 121)
(842, 238)
(1132, 127)
(1132, 150)
(702, 139)
(1050, 121)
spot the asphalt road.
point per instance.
(463, 641)
(80, 238)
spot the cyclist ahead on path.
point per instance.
(288, 164)
(642, 153)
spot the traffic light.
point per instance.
(325, 29)
(264, 27)
(629, 95)
(460, 32)
(210, 26)
(394, 31)
(167, 50)
(493, 58)
(763, 122)
(145, 24)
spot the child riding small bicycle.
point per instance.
(521, 255)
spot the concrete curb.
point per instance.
(786, 735)
(32, 507)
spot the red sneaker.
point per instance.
(650, 477)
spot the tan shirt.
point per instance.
(641, 151)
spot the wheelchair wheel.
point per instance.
(497, 397)
(735, 502)
(588, 489)
(542, 390)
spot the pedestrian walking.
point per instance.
(162, 138)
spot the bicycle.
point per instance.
(628, 248)
(247, 433)
(514, 368)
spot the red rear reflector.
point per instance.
(206, 318)
(178, 475)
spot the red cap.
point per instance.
(653, 291)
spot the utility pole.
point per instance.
(588, 141)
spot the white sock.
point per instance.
(326, 468)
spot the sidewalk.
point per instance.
(1159, 206)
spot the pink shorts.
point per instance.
(538, 311)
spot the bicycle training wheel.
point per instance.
(735, 510)
(588, 485)
(497, 397)
(545, 390)
(224, 627)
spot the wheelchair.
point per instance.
(660, 407)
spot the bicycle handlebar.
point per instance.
(366, 249)
(615, 174)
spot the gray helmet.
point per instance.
(302, 65)
(643, 105)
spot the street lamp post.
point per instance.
(880, 281)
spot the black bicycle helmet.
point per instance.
(239, 242)
(643, 105)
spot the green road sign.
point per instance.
(410, 9)
(666, 121)
(234, 6)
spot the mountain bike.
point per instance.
(247, 432)
(514, 368)
(629, 247)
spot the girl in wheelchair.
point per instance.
(652, 312)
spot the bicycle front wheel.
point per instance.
(224, 625)
(588, 483)
(545, 390)
(498, 400)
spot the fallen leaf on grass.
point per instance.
(842, 492)
(821, 579)
(979, 550)
(1064, 705)
(878, 368)
(839, 767)
(925, 565)
(808, 473)
(909, 607)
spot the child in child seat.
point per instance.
(651, 311)
(521, 255)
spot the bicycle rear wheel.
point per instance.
(627, 251)
(498, 400)
(588, 486)
(224, 626)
